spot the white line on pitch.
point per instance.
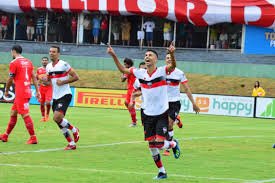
(122, 143)
(125, 172)
(262, 181)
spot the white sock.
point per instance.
(169, 144)
(64, 123)
(72, 143)
(162, 169)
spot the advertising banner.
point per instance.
(220, 105)
(259, 40)
(100, 98)
(11, 96)
(265, 108)
(35, 101)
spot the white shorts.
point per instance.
(167, 36)
(30, 30)
(140, 35)
(116, 36)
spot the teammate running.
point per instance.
(174, 79)
(59, 72)
(46, 90)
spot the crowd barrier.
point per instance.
(257, 107)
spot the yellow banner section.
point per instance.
(100, 98)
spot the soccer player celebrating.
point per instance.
(128, 63)
(21, 72)
(45, 89)
(59, 72)
(174, 79)
(154, 92)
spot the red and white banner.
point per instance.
(199, 12)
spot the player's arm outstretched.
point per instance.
(171, 51)
(190, 96)
(120, 67)
(34, 80)
(73, 78)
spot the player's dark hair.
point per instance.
(258, 82)
(141, 63)
(57, 47)
(155, 52)
(128, 61)
(45, 58)
(17, 48)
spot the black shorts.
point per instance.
(142, 115)
(62, 103)
(155, 126)
(174, 109)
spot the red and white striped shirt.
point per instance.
(154, 90)
(59, 71)
(173, 81)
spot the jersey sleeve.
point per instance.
(12, 70)
(136, 84)
(183, 78)
(138, 73)
(67, 67)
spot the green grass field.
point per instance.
(215, 149)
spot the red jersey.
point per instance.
(131, 78)
(41, 75)
(21, 70)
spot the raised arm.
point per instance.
(120, 67)
(171, 51)
(190, 96)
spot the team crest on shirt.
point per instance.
(164, 130)
(59, 105)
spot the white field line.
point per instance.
(122, 143)
(263, 181)
(125, 172)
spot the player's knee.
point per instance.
(13, 113)
(57, 118)
(25, 115)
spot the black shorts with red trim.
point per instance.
(142, 115)
(155, 126)
(174, 109)
(62, 104)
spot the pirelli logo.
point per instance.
(100, 98)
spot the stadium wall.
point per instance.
(219, 69)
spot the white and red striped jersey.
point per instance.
(173, 81)
(59, 71)
(154, 90)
